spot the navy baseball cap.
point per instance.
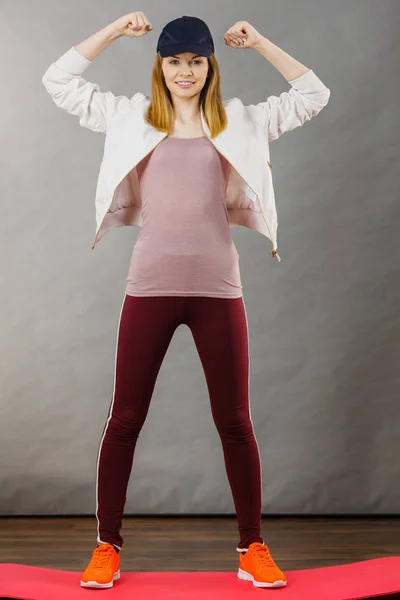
(185, 34)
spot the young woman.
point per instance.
(185, 167)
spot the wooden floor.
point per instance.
(198, 543)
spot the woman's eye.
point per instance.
(173, 61)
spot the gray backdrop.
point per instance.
(324, 323)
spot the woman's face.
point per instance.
(186, 66)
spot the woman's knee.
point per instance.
(125, 428)
(240, 429)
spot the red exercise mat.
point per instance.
(365, 579)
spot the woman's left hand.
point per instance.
(242, 35)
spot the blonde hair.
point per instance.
(160, 113)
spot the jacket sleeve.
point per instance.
(70, 91)
(304, 100)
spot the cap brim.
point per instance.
(178, 48)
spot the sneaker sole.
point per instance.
(96, 585)
(247, 577)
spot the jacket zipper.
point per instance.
(274, 252)
(159, 142)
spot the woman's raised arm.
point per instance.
(306, 98)
(71, 92)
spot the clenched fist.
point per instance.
(134, 24)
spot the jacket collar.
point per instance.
(235, 143)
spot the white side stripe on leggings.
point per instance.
(248, 349)
(105, 430)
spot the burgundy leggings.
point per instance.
(220, 333)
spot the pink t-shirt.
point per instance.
(184, 247)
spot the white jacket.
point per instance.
(250, 196)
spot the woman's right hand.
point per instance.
(134, 24)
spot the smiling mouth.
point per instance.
(185, 85)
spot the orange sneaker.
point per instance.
(258, 566)
(103, 568)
